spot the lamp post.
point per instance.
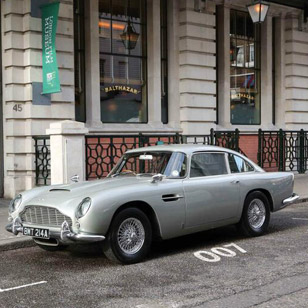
(258, 10)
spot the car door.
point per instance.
(211, 192)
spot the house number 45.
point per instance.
(17, 107)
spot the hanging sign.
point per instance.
(51, 82)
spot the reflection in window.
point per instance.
(205, 164)
(245, 69)
(122, 35)
(237, 164)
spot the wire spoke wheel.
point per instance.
(131, 236)
(256, 213)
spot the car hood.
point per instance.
(68, 196)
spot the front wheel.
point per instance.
(256, 214)
(129, 238)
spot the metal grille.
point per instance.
(45, 216)
(283, 150)
(42, 160)
(103, 152)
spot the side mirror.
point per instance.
(157, 177)
(75, 178)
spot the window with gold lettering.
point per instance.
(245, 69)
(123, 69)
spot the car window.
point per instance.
(238, 164)
(205, 164)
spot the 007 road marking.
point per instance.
(23, 286)
(217, 252)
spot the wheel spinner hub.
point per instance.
(131, 235)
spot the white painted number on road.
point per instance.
(216, 252)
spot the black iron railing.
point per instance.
(277, 150)
(284, 150)
(42, 160)
(103, 151)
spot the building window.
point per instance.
(245, 69)
(164, 61)
(123, 84)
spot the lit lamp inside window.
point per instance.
(258, 10)
(129, 37)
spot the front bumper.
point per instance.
(290, 200)
(64, 235)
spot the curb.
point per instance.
(301, 200)
(16, 244)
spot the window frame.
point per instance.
(240, 172)
(143, 58)
(257, 62)
(209, 152)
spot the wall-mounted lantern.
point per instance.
(258, 11)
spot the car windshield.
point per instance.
(170, 164)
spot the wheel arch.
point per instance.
(266, 193)
(147, 210)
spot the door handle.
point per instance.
(171, 197)
(235, 182)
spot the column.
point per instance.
(67, 151)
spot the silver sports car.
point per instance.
(158, 192)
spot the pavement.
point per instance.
(8, 241)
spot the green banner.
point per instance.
(51, 82)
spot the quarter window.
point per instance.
(237, 164)
(205, 164)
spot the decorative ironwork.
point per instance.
(283, 150)
(42, 160)
(103, 152)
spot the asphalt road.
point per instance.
(218, 268)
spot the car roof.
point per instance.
(185, 148)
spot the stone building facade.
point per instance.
(196, 65)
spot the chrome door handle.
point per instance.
(172, 197)
(235, 182)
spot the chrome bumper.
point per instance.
(65, 235)
(290, 200)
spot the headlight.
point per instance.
(83, 207)
(15, 203)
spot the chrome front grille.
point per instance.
(45, 216)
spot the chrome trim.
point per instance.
(291, 199)
(65, 235)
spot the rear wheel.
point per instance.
(129, 237)
(256, 214)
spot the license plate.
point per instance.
(36, 232)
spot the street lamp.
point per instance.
(258, 10)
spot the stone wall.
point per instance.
(296, 74)
(197, 73)
(22, 65)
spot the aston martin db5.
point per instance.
(153, 193)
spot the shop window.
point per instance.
(245, 69)
(123, 82)
(164, 61)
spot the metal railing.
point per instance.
(277, 150)
(285, 150)
(42, 160)
(103, 151)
